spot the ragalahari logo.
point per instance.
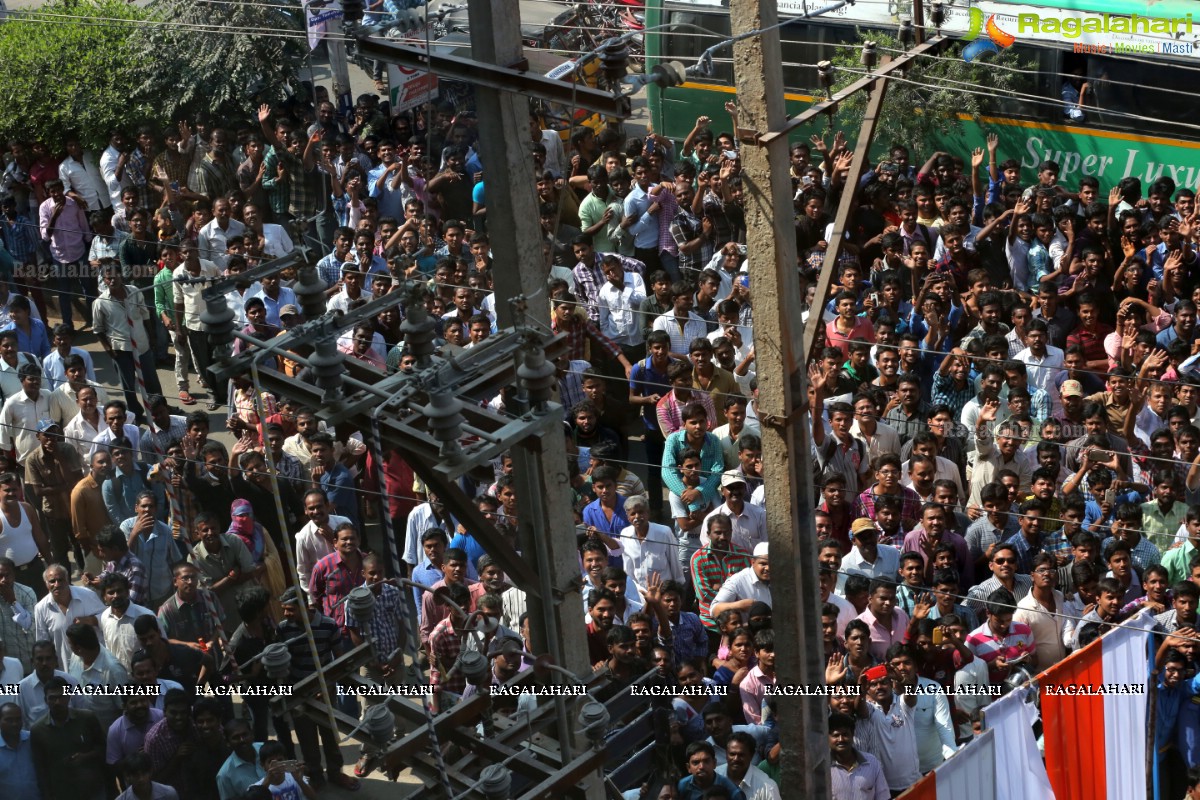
(996, 40)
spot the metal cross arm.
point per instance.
(220, 321)
(493, 76)
(830, 105)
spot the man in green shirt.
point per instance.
(1162, 516)
(1177, 559)
(594, 212)
(68, 748)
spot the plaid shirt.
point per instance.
(132, 568)
(330, 269)
(910, 508)
(20, 238)
(590, 277)
(709, 573)
(19, 640)
(295, 194)
(162, 438)
(444, 647)
(1144, 553)
(689, 638)
(387, 619)
(331, 580)
(578, 332)
(1056, 544)
(189, 622)
(684, 228)
(668, 208)
(1025, 552)
(945, 393)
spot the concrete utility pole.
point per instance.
(546, 527)
(780, 363)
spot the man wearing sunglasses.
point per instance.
(1003, 564)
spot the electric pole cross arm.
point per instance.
(830, 105)
(493, 76)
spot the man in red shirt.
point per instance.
(1090, 334)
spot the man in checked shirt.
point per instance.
(386, 629)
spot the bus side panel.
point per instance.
(1079, 151)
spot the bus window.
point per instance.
(800, 45)
(1146, 88)
(1039, 80)
(687, 44)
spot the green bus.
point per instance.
(1141, 58)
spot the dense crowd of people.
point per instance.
(1003, 474)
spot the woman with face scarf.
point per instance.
(262, 550)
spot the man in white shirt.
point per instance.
(23, 412)
(934, 729)
(93, 665)
(31, 694)
(868, 557)
(116, 623)
(276, 242)
(315, 540)
(191, 335)
(113, 163)
(740, 752)
(62, 608)
(428, 515)
(749, 521)
(647, 547)
(682, 324)
(619, 298)
(1042, 361)
(220, 229)
(745, 587)
(81, 177)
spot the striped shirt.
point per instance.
(863, 781)
(987, 646)
(977, 597)
(709, 572)
(326, 635)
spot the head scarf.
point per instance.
(243, 526)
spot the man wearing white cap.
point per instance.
(749, 521)
(746, 587)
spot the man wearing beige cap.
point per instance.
(747, 587)
(1070, 400)
(749, 521)
(868, 557)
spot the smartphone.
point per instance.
(730, 154)
(876, 673)
(938, 636)
(174, 186)
(875, 298)
(649, 144)
(1110, 496)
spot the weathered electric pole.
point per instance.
(546, 528)
(780, 363)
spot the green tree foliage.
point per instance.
(69, 66)
(932, 94)
(219, 58)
